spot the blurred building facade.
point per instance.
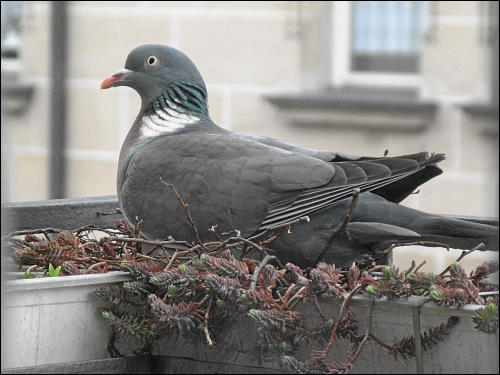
(358, 78)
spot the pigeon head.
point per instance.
(152, 69)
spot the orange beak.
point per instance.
(114, 79)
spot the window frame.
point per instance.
(340, 58)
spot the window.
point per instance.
(11, 28)
(377, 42)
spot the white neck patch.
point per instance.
(165, 120)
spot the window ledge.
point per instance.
(484, 111)
(16, 94)
(358, 108)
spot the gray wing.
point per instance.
(324, 155)
(392, 192)
(365, 175)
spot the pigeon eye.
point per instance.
(152, 60)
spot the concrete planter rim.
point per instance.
(66, 281)
(403, 304)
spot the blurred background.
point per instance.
(360, 77)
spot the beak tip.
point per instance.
(106, 84)
(114, 79)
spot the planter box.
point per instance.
(54, 320)
(53, 323)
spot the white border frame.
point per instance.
(341, 73)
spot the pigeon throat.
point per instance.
(177, 107)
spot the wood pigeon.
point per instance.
(252, 184)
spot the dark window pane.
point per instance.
(11, 27)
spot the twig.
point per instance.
(151, 258)
(154, 249)
(45, 231)
(385, 346)
(239, 239)
(95, 265)
(346, 302)
(354, 202)
(281, 226)
(259, 268)
(286, 296)
(412, 266)
(169, 264)
(184, 205)
(296, 297)
(149, 242)
(463, 255)
(31, 268)
(318, 308)
(420, 266)
(356, 354)
(376, 268)
(205, 325)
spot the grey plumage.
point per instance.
(252, 183)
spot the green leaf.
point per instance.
(428, 277)
(254, 314)
(435, 295)
(284, 346)
(171, 289)
(105, 314)
(455, 268)
(54, 272)
(182, 268)
(28, 275)
(372, 289)
(411, 277)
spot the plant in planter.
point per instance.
(198, 296)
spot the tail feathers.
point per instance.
(453, 233)
(457, 233)
(434, 159)
(463, 243)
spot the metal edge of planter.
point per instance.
(34, 214)
(62, 213)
